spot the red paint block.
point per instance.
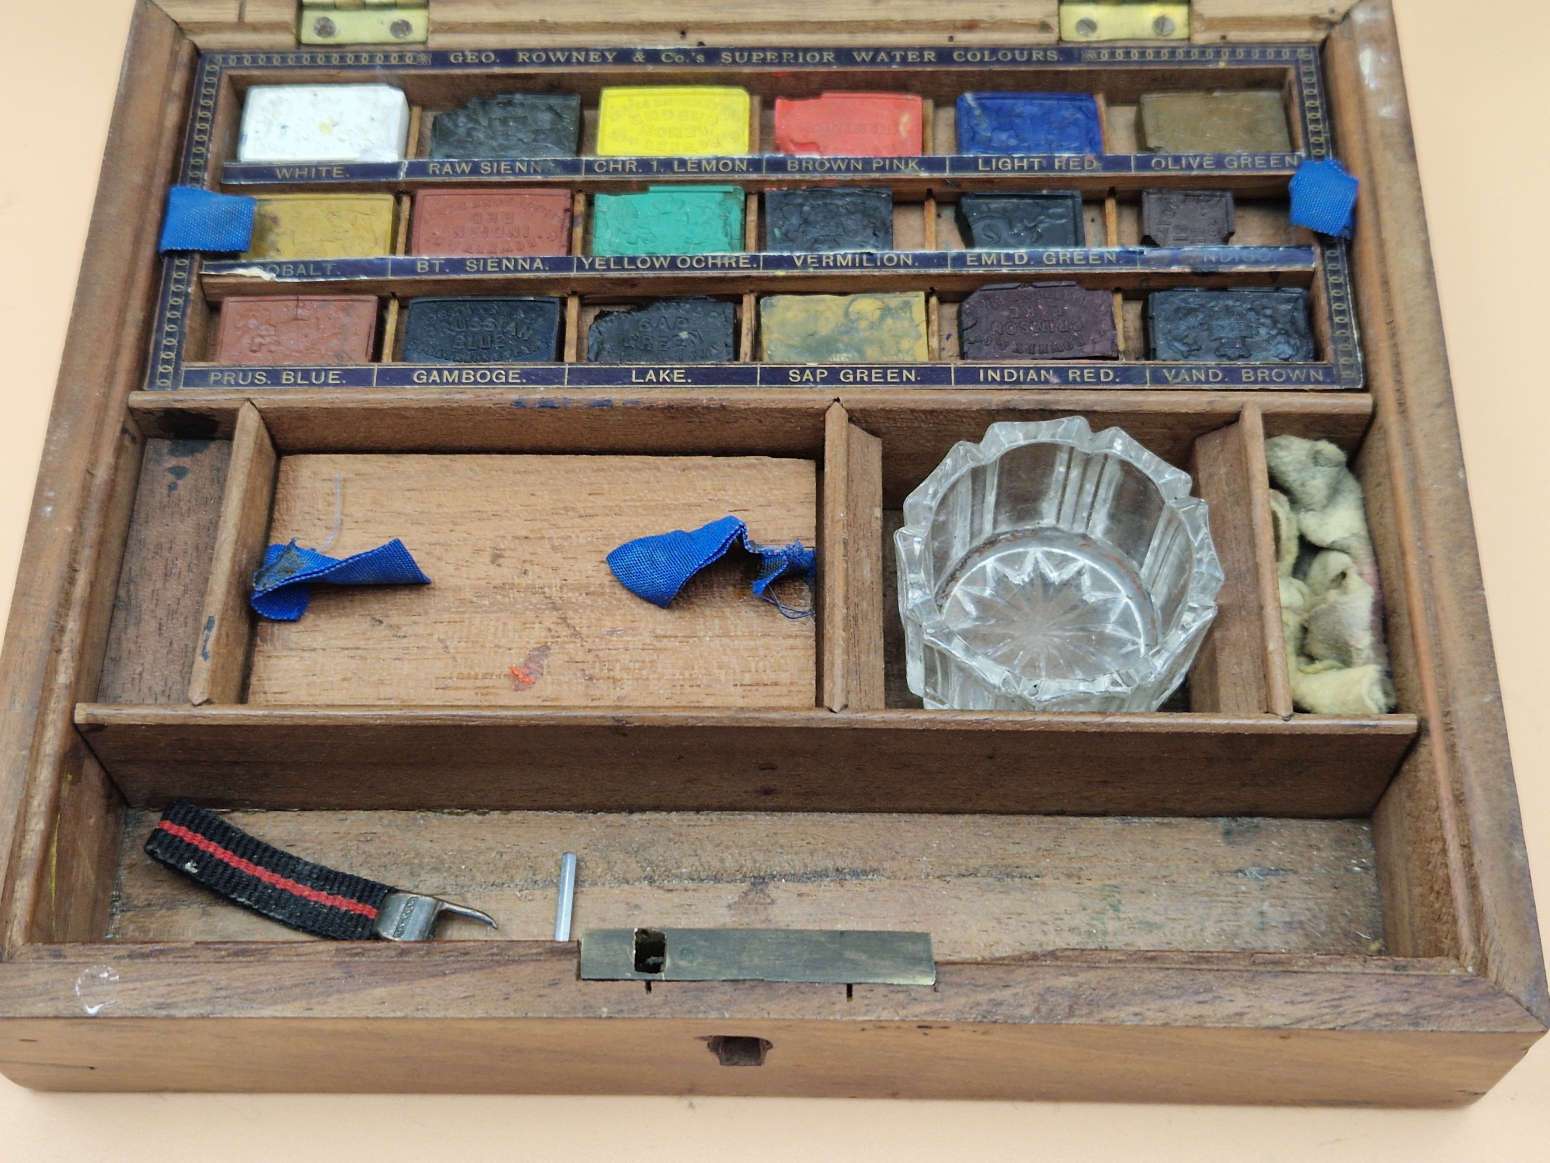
(849, 124)
(491, 222)
(297, 329)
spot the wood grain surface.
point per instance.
(161, 587)
(982, 886)
(220, 665)
(1230, 673)
(737, 759)
(80, 508)
(522, 609)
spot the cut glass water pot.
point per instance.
(1051, 568)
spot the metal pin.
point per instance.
(567, 897)
(411, 916)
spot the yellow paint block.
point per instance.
(323, 226)
(672, 119)
(843, 328)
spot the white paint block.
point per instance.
(324, 123)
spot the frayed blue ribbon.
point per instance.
(204, 220)
(1324, 197)
(657, 567)
(283, 586)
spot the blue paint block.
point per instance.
(483, 329)
(1028, 123)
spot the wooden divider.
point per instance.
(1257, 474)
(226, 628)
(1230, 673)
(850, 566)
(735, 759)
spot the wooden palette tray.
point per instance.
(1226, 900)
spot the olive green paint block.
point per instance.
(1245, 121)
(843, 328)
(669, 220)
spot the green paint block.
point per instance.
(669, 220)
(843, 328)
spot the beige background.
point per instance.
(1479, 92)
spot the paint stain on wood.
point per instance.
(532, 669)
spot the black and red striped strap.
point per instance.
(295, 892)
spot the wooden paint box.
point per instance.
(1225, 900)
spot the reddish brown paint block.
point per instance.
(491, 222)
(849, 124)
(297, 329)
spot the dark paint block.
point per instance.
(1028, 123)
(1241, 121)
(1244, 325)
(1038, 321)
(820, 218)
(1187, 217)
(1013, 220)
(510, 125)
(692, 330)
(850, 125)
(296, 329)
(482, 329)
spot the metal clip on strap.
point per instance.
(285, 888)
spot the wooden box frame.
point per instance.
(1456, 999)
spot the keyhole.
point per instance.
(650, 951)
(733, 1051)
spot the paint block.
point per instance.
(669, 220)
(661, 120)
(849, 125)
(482, 329)
(1241, 121)
(324, 123)
(295, 226)
(1014, 220)
(509, 125)
(823, 218)
(1250, 325)
(689, 330)
(1187, 217)
(1038, 321)
(1028, 123)
(296, 329)
(843, 328)
(493, 222)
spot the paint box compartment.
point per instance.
(1341, 901)
(469, 508)
(522, 610)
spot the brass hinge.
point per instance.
(1090, 20)
(363, 22)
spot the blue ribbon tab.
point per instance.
(657, 567)
(1324, 197)
(283, 587)
(203, 220)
